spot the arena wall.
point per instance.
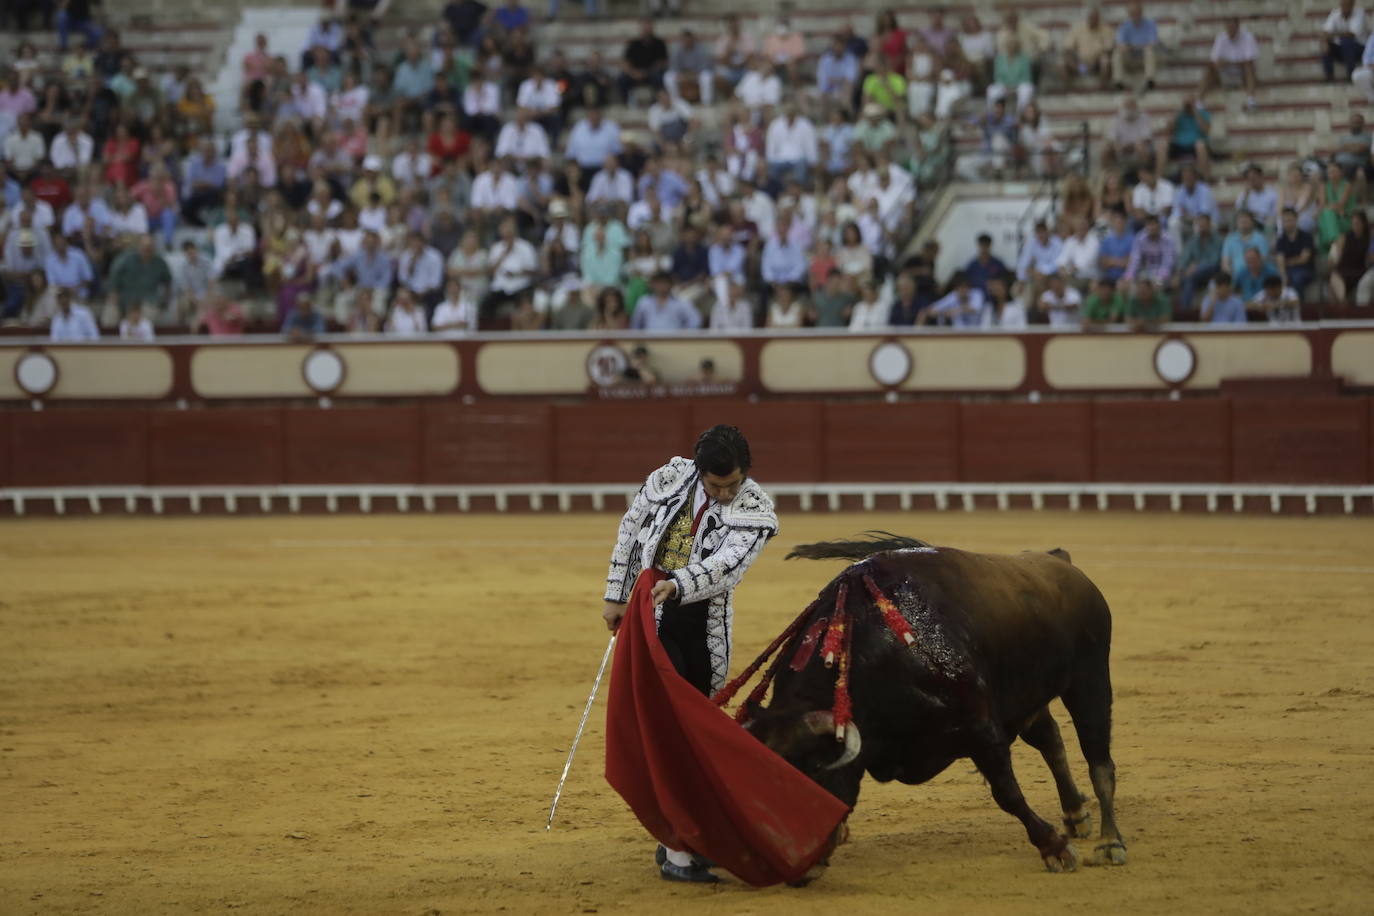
(1319, 441)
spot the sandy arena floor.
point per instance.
(369, 715)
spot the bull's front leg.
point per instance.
(994, 762)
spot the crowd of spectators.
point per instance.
(471, 178)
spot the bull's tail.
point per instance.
(860, 548)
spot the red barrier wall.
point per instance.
(1218, 440)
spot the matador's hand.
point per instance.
(663, 591)
(612, 614)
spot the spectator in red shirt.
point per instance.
(51, 187)
(447, 143)
(121, 155)
(222, 318)
(891, 41)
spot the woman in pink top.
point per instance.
(158, 194)
(121, 157)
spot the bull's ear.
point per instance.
(1061, 553)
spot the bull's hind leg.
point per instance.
(1043, 735)
(994, 762)
(1089, 701)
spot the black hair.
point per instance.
(1272, 282)
(1222, 279)
(721, 450)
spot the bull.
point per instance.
(996, 639)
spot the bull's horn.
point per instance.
(821, 722)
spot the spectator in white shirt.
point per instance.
(1152, 196)
(482, 105)
(127, 216)
(523, 139)
(790, 148)
(513, 265)
(1060, 302)
(255, 154)
(871, 312)
(308, 100)
(1278, 303)
(71, 323)
(70, 151)
(349, 102)
(407, 318)
(1343, 37)
(494, 192)
(412, 166)
(135, 325)
(23, 148)
(541, 95)
(1003, 312)
(612, 184)
(1078, 257)
(1234, 51)
(733, 312)
(235, 243)
(760, 86)
(420, 269)
(457, 312)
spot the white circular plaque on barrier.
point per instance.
(36, 373)
(323, 370)
(890, 363)
(606, 365)
(1175, 361)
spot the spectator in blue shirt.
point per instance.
(1244, 236)
(784, 261)
(837, 143)
(67, 267)
(1221, 305)
(511, 16)
(907, 305)
(590, 141)
(662, 311)
(1039, 260)
(1188, 134)
(303, 322)
(1249, 279)
(203, 183)
(372, 266)
(1114, 253)
(837, 71)
(1136, 41)
(962, 307)
(1262, 201)
(985, 266)
(1193, 198)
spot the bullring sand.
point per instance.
(369, 715)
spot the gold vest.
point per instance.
(675, 550)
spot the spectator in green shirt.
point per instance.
(875, 131)
(833, 302)
(139, 276)
(1103, 305)
(1011, 72)
(885, 87)
(1146, 307)
(1188, 136)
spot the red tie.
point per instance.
(696, 521)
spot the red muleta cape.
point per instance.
(696, 779)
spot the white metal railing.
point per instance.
(810, 497)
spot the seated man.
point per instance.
(1079, 257)
(1235, 52)
(1088, 50)
(1152, 196)
(962, 307)
(1260, 200)
(1343, 36)
(1146, 308)
(1114, 251)
(985, 265)
(1353, 149)
(1038, 262)
(1103, 306)
(690, 71)
(1189, 135)
(1011, 74)
(1201, 260)
(644, 62)
(1152, 255)
(1131, 138)
(1136, 41)
(1221, 305)
(1192, 198)
(790, 148)
(837, 72)
(1278, 303)
(1254, 269)
(1245, 235)
(1060, 303)
(1295, 254)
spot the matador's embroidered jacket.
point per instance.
(727, 541)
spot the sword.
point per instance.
(580, 727)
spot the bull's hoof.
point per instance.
(1079, 823)
(1110, 853)
(1065, 860)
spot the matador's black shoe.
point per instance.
(660, 855)
(696, 874)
